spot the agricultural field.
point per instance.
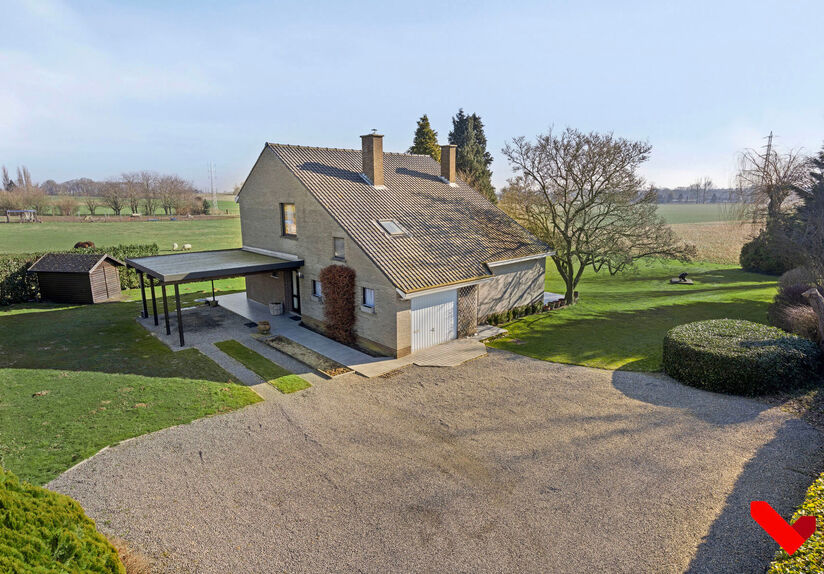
(700, 212)
(202, 234)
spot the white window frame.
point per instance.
(401, 231)
(342, 256)
(284, 230)
(365, 300)
(317, 289)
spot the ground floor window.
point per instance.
(317, 290)
(368, 297)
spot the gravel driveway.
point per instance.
(503, 464)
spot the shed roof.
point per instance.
(202, 265)
(71, 262)
(451, 231)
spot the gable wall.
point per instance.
(513, 285)
(271, 183)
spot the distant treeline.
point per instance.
(692, 194)
(144, 192)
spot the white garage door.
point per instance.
(434, 319)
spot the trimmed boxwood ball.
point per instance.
(739, 357)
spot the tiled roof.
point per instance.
(453, 231)
(70, 262)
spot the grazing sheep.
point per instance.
(84, 245)
(175, 247)
(187, 246)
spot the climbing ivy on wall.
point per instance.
(338, 284)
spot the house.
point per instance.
(433, 258)
(77, 277)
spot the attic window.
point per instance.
(392, 227)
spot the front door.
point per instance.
(295, 292)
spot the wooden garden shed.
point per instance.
(77, 277)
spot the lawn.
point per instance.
(107, 379)
(202, 234)
(620, 321)
(277, 376)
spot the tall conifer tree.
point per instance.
(426, 140)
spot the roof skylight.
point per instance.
(392, 227)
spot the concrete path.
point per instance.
(503, 464)
(448, 354)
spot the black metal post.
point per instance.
(213, 289)
(179, 315)
(143, 293)
(154, 300)
(165, 308)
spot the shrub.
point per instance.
(338, 283)
(790, 310)
(43, 531)
(767, 253)
(797, 276)
(810, 556)
(17, 286)
(739, 357)
(67, 205)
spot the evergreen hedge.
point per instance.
(43, 531)
(739, 357)
(17, 286)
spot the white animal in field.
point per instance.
(175, 247)
(187, 246)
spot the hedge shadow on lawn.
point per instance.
(780, 473)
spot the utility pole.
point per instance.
(212, 187)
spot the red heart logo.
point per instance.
(789, 537)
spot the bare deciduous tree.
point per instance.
(133, 190)
(151, 199)
(8, 184)
(581, 193)
(113, 196)
(771, 177)
(92, 203)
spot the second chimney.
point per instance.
(372, 150)
(448, 159)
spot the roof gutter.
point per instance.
(520, 259)
(439, 289)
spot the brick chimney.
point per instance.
(448, 155)
(372, 148)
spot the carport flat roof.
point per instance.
(204, 265)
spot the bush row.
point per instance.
(739, 357)
(514, 313)
(810, 556)
(17, 286)
(43, 531)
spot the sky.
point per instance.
(95, 89)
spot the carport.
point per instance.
(179, 268)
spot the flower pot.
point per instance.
(263, 327)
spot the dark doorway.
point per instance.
(295, 292)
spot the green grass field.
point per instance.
(699, 212)
(620, 321)
(203, 234)
(107, 379)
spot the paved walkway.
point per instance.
(446, 355)
(502, 464)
